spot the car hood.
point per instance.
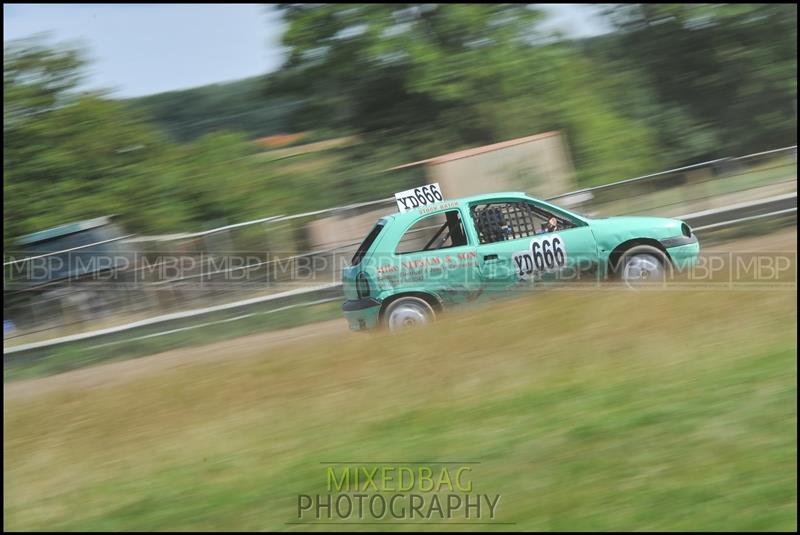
(613, 230)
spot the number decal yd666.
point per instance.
(543, 254)
(414, 198)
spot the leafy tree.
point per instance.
(725, 75)
(239, 106)
(69, 155)
(435, 78)
(63, 151)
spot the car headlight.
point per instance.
(686, 230)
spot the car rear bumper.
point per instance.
(362, 314)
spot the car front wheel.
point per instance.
(408, 312)
(643, 266)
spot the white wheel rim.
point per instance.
(408, 314)
(642, 269)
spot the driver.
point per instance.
(550, 226)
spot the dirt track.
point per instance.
(108, 374)
(783, 240)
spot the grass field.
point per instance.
(586, 411)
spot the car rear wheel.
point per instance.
(408, 312)
(643, 266)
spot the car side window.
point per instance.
(437, 231)
(501, 221)
(547, 221)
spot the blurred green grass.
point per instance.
(587, 411)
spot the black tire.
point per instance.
(407, 312)
(643, 266)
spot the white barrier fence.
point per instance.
(588, 197)
(390, 201)
(314, 293)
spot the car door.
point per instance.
(434, 255)
(515, 249)
(572, 245)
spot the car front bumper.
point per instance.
(684, 255)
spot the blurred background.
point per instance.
(657, 87)
(176, 177)
(349, 104)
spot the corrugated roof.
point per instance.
(63, 230)
(476, 151)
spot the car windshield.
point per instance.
(571, 211)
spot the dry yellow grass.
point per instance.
(587, 410)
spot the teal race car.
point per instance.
(435, 254)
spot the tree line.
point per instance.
(670, 85)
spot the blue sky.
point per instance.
(139, 49)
